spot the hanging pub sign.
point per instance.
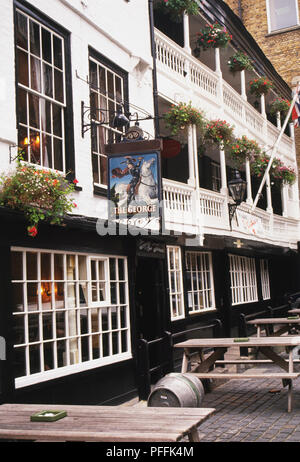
(134, 189)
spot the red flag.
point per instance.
(296, 110)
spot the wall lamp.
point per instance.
(237, 188)
(98, 116)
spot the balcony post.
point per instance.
(249, 199)
(195, 152)
(218, 61)
(243, 85)
(224, 188)
(263, 106)
(269, 195)
(191, 180)
(284, 199)
(278, 120)
(186, 33)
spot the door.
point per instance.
(152, 322)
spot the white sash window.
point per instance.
(243, 279)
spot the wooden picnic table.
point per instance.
(294, 311)
(102, 423)
(285, 323)
(202, 366)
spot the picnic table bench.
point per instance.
(285, 323)
(202, 366)
(102, 423)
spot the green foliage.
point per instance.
(240, 61)
(279, 105)
(243, 148)
(260, 86)
(182, 115)
(177, 7)
(40, 194)
(220, 132)
(213, 36)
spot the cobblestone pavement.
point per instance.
(251, 411)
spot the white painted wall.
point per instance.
(115, 28)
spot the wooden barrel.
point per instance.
(177, 390)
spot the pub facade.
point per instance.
(84, 95)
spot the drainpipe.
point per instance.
(154, 72)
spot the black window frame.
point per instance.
(46, 21)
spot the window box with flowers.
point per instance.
(279, 105)
(239, 62)
(182, 115)
(243, 148)
(176, 8)
(219, 132)
(42, 195)
(213, 36)
(260, 86)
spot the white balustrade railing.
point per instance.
(188, 209)
(177, 63)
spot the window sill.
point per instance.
(283, 31)
(99, 191)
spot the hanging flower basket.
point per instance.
(242, 149)
(260, 86)
(40, 194)
(240, 61)
(219, 132)
(213, 36)
(279, 105)
(279, 173)
(283, 174)
(176, 8)
(182, 115)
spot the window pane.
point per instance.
(22, 140)
(57, 120)
(48, 82)
(31, 266)
(18, 298)
(22, 107)
(23, 68)
(57, 47)
(58, 155)
(32, 296)
(59, 87)
(47, 151)
(16, 266)
(35, 66)
(34, 38)
(93, 74)
(47, 52)
(21, 31)
(283, 13)
(34, 111)
(19, 330)
(46, 266)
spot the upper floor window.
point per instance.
(41, 92)
(107, 87)
(282, 14)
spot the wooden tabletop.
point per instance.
(274, 321)
(101, 423)
(229, 342)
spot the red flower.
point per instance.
(75, 181)
(75, 205)
(32, 231)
